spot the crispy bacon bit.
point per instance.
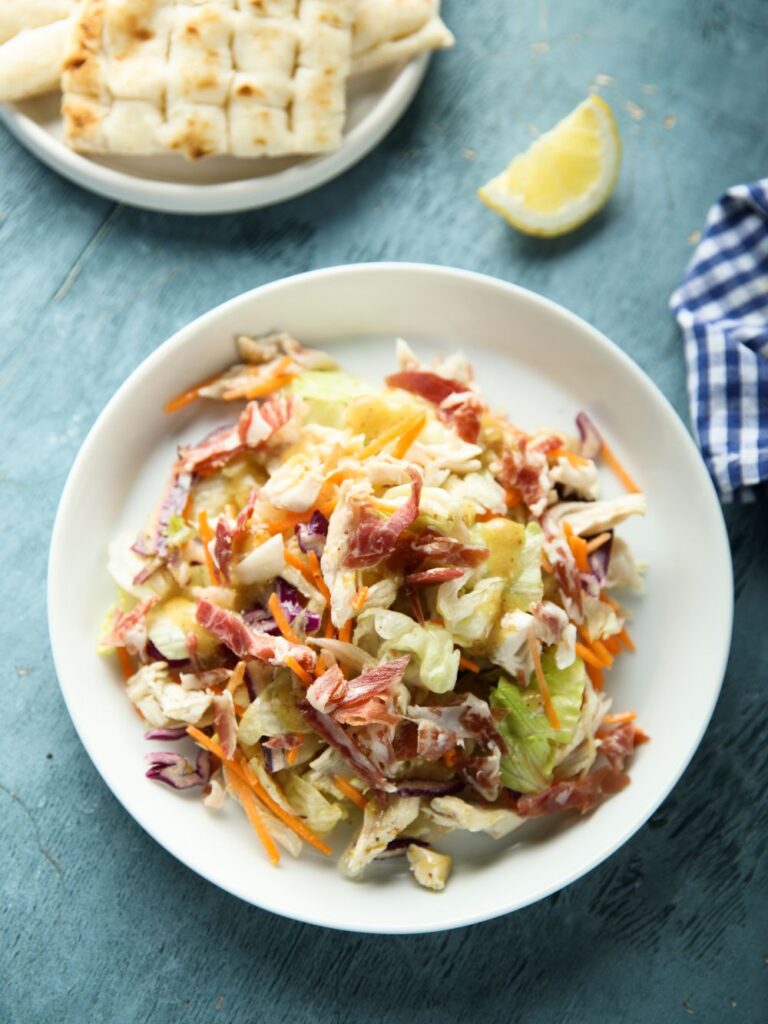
(405, 741)
(258, 423)
(247, 642)
(618, 745)
(213, 452)
(361, 700)
(128, 628)
(433, 742)
(574, 794)
(431, 549)
(463, 411)
(425, 384)
(428, 577)
(526, 468)
(471, 719)
(375, 538)
(484, 774)
(335, 735)
(276, 751)
(223, 548)
(225, 722)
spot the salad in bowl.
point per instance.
(386, 608)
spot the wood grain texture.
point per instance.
(98, 923)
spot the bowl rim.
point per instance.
(176, 342)
(227, 196)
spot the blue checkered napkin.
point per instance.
(722, 309)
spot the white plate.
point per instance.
(375, 103)
(535, 360)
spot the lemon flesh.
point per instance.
(564, 177)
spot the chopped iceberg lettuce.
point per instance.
(527, 586)
(470, 617)
(436, 661)
(327, 393)
(532, 743)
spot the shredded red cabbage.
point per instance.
(176, 733)
(600, 559)
(591, 441)
(176, 771)
(311, 536)
(429, 787)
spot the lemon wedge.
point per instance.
(564, 177)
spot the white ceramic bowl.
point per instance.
(535, 360)
(375, 103)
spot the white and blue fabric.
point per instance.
(722, 309)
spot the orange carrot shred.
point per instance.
(620, 718)
(241, 767)
(189, 395)
(300, 566)
(546, 696)
(236, 679)
(351, 792)
(360, 598)
(627, 640)
(206, 536)
(613, 645)
(126, 663)
(409, 436)
(280, 620)
(251, 808)
(546, 567)
(292, 756)
(329, 632)
(641, 737)
(618, 470)
(317, 576)
(345, 633)
(398, 430)
(602, 652)
(572, 457)
(597, 542)
(468, 664)
(588, 655)
(596, 676)
(297, 670)
(512, 496)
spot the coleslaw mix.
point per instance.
(388, 606)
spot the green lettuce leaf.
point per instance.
(527, 586)
(327, 394)
(436, 660)
(531, 741)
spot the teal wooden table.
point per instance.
(98, 923)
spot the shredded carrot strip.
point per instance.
(251, 808)
(239, 710)
(236, 679)
(287, 522)
(597, 542)
(330, 632)
(345, 633)
(468, 664)
(300, 566)
(289, 819)
(613, 645)
(596, 676)
(409, 436)
(317, 576)
(206, 536)
(620, 718)
(572, 457)
(512, 496)
(546, 696)
(602, 652)
(328, 507)
(241, 767)
(588, 655)
(360, 598)
(126, 663)
(619, 470)
(398, 430)
(451, 758)
(485, 517)
(545, 564)
(292, 756)
(276, 378)
(297, 670)
(190, 395)
(579, 548)
(627, 640)
(280, 620)
(641, 737)
(350, 792)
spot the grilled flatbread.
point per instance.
(252, 77)
(392, 31)
(30, 62)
